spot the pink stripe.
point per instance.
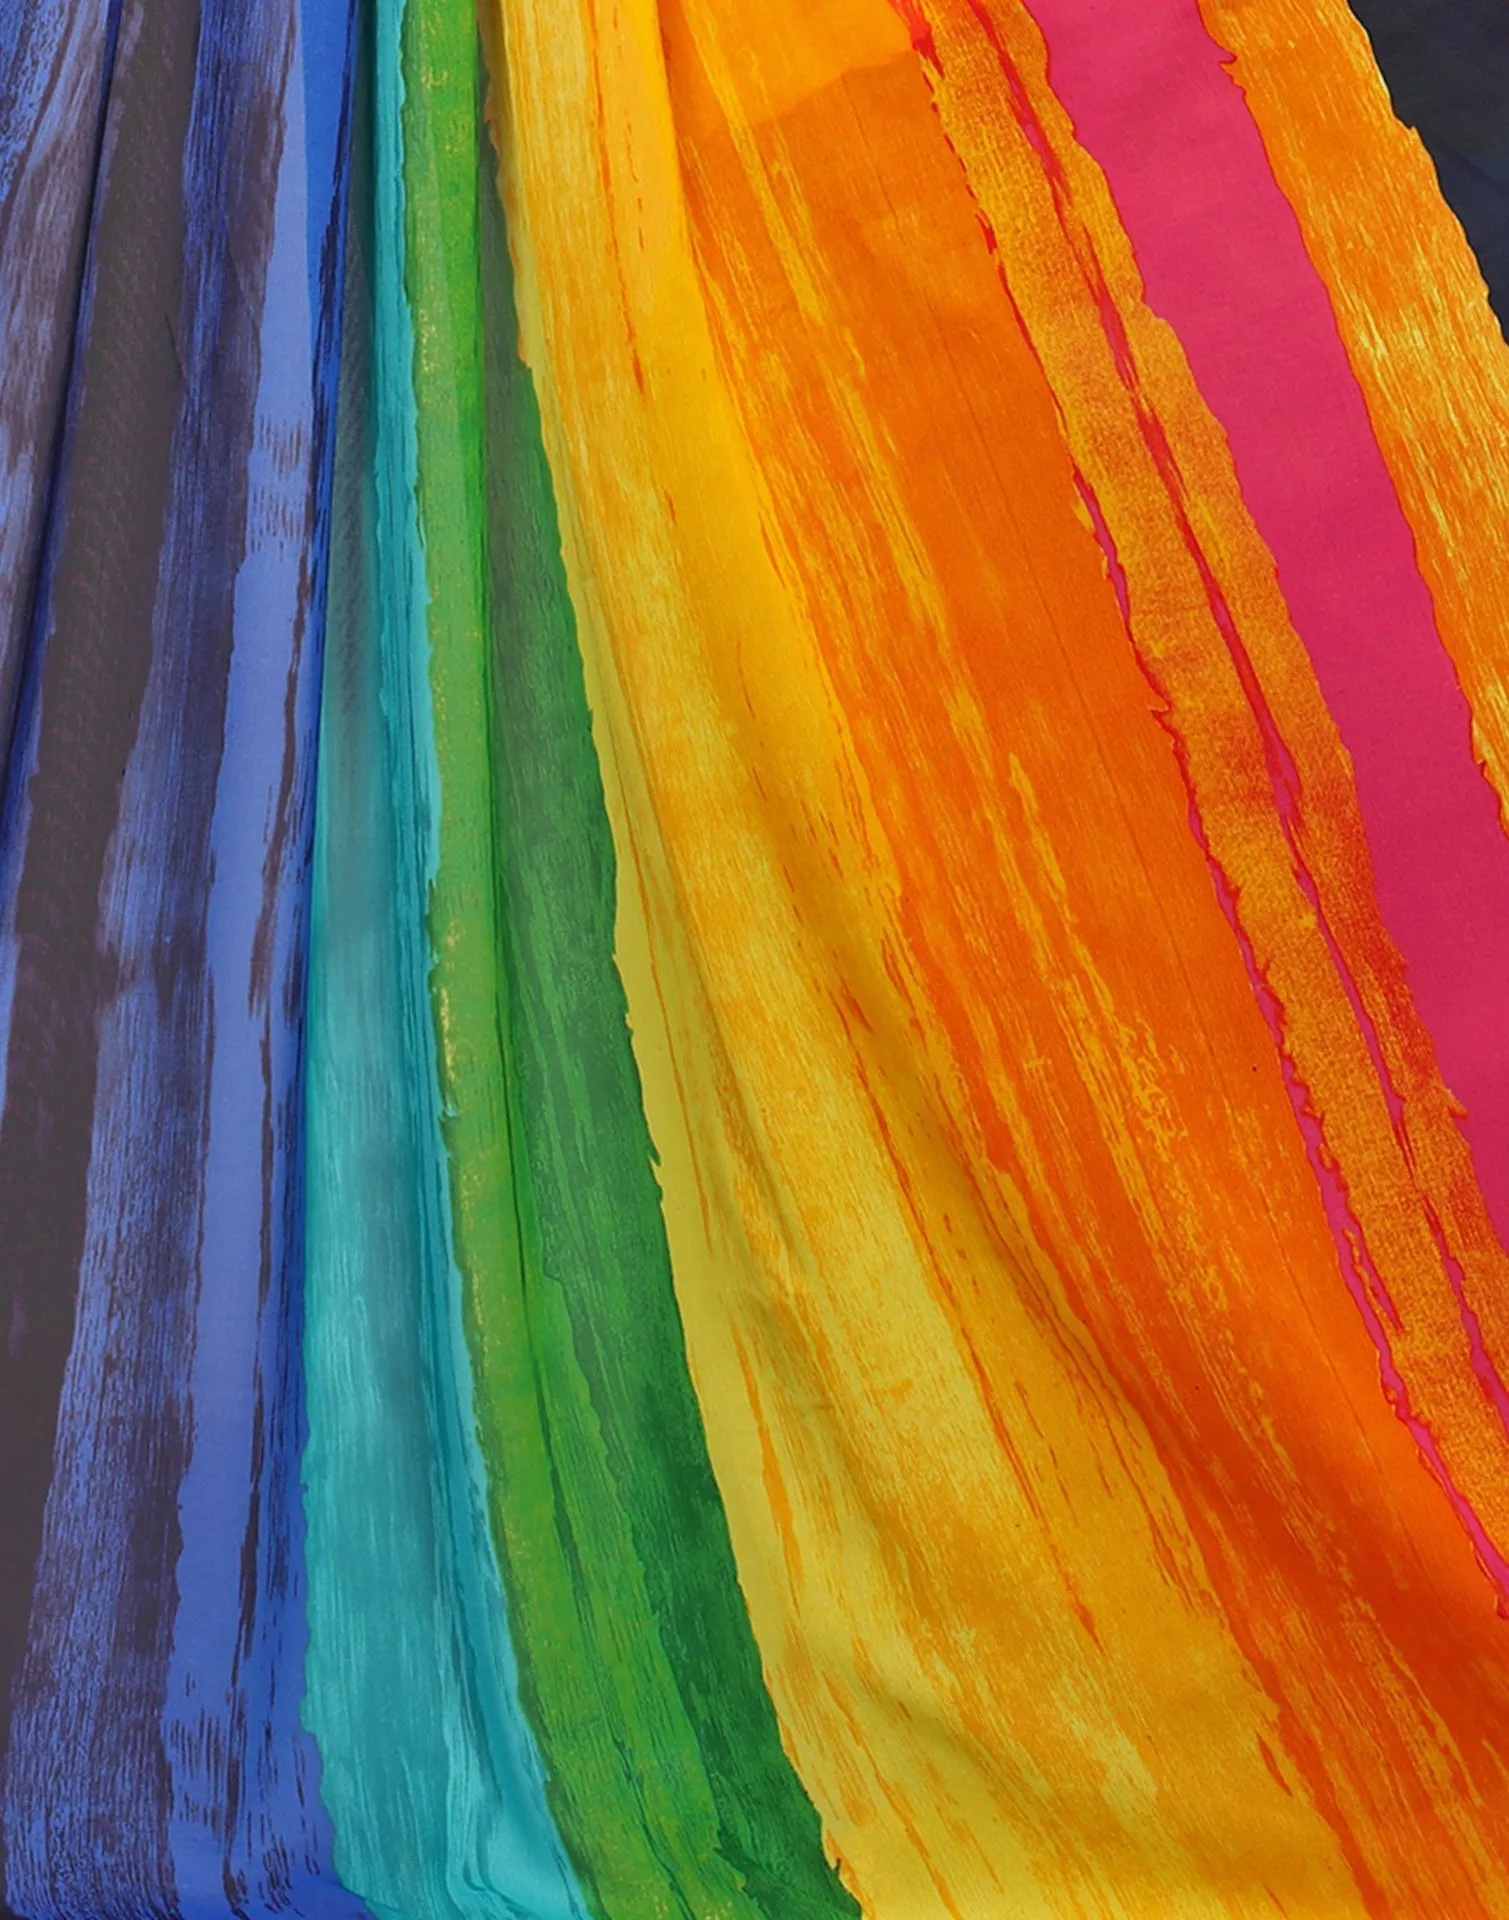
(1223, 262)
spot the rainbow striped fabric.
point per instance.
(754, 959)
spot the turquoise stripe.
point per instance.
(430, 1775)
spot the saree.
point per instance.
(754, 923)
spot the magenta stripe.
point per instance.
(1223, 262)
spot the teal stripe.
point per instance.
(430, 1777)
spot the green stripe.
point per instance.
(639, 1670)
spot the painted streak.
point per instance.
(1223, 261)
(247, 1824)
(870, 692)
(1447, 69)
(1427, 353)
(600, 1297)
(78, 731)
(55, 66)
(113, 1534)
(1355, 1107)
(99, 1792)
(1009, 1291)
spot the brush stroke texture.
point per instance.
(660, 1747)
(913, 572)
(1436, 859)
(1447, 71)
(157, 834)
(55, 66)
(816, 1129)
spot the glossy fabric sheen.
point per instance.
(754, 920)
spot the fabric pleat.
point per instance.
(754, 900)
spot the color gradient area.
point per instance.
(754, 904)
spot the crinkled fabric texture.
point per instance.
(754, 960)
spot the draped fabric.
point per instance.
(754, 959)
